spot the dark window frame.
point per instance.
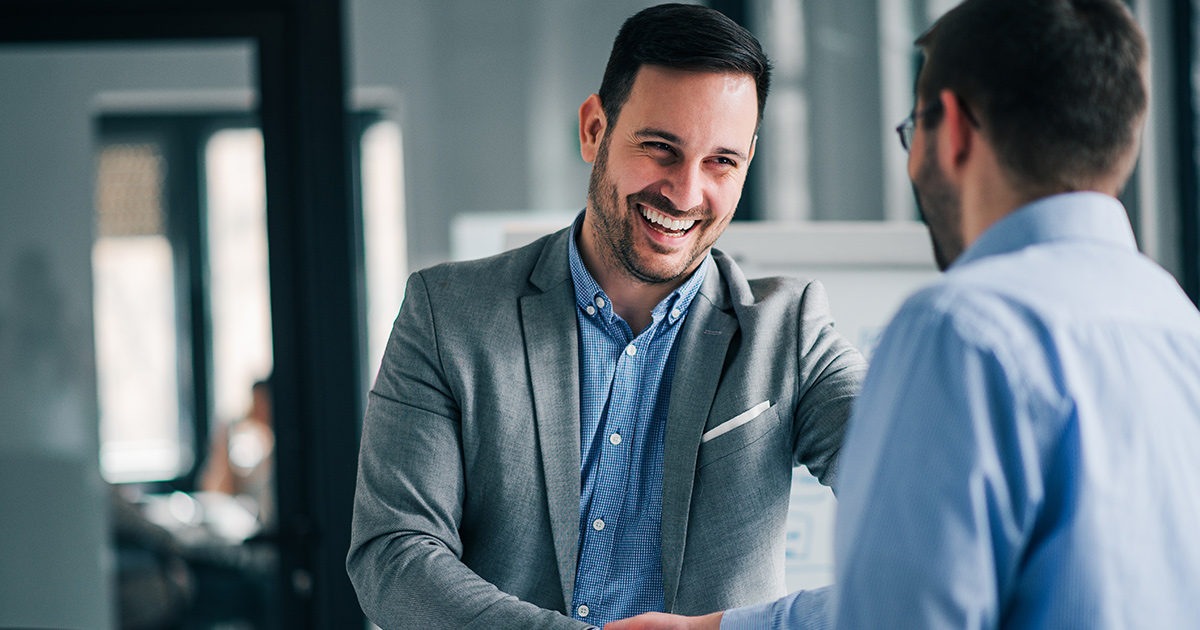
(314, 246)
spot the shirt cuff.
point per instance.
(757, 617)
(802, 610)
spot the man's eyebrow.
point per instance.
(651, 132)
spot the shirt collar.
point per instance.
(589, 294)
(1079, 216)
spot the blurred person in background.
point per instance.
(241, 461)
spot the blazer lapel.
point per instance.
(551, 348)
(703, 342)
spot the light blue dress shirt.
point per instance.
(625, 386)
(1025, 452)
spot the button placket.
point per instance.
(598, 538)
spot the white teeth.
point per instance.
(676, 225)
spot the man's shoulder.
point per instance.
(970, 305)
(767, 290)
(504, 272)
(1060, 286)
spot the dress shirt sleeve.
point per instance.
(940, 480)
(405, 550)
(802, 610)
(831, 374)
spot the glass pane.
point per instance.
(135, 319)
(383, 234)
(237, 259)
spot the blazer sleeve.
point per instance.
(405, 550)
(831, 374)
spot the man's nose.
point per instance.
(685, 186)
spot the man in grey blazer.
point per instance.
(605, 422)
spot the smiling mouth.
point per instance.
(665, 224)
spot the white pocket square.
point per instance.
(736, 421)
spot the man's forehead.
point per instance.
(656, 74)
(679, 105)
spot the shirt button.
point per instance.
(591, 310)
(600, 302)
(675, 313)
(631, 349)
(614, 439)
(583, 610)
(598, 524)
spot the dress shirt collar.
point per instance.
(1079, 216)
(589, 294)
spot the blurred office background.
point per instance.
(200, 197)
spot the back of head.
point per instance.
(1058, 85)
(682, 37)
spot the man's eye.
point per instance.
(658, 147)
(724, 161)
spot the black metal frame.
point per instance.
(314, 258)
(1186, 111)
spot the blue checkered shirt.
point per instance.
(625, 386)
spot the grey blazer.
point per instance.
(466, 512)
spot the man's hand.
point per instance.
(663, 621)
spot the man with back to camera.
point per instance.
(604, 422)
(1047, 388)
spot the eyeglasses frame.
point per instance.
(908, 127)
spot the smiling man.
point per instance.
(605, 422)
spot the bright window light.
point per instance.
(136, 354)
(239, 286)
(383, 233)
(134, 306)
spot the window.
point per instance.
(135, 318)
(386, 265)
(183, 324)
(238, 283)
(180, 281)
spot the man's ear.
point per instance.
(960, 135)
(592, 125)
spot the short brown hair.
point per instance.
(682, 37)
(1057, 84)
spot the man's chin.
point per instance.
(659, 274)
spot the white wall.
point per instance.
(56, 563)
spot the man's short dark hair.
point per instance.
(681, 37)
(1057, 85)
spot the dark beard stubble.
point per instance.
(615, 234)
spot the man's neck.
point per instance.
(635, 302)
(631, 298)
(990, 193)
